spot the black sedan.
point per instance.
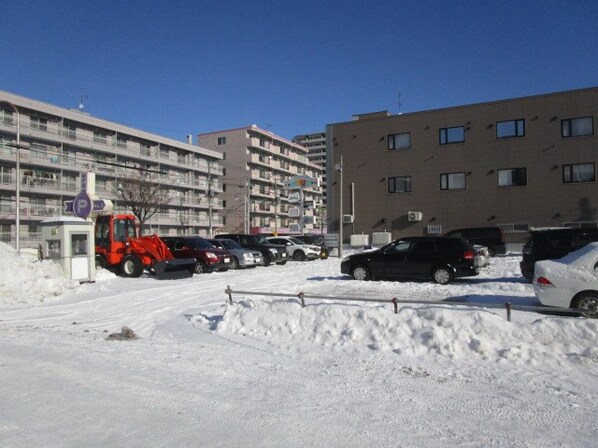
(441, 259)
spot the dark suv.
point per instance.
(272, 253)
(208, 257)
(440, 258)
(552, 243)
(491, 237)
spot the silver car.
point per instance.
(241, 258)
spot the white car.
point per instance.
(571, 281)
(296, 248)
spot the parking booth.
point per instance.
(69, 241)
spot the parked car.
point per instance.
(552, 243)
(240, 258)
(317, 240)
(571, 281)
(297, 249)
(491, 237)
(272, 253)
(441, 259)
(208, 258)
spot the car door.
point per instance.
(390, 260)
(422, 257)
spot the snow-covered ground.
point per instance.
(265, 372)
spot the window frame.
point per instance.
(511, 169)
(392, 138)
(569, 123)
(406, 181)
(570, 174)
(516, 122)
(444, 133)
(447, 177)
(221, 141)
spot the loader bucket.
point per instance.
(175, 268)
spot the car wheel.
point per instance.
(234, 263)
(200, 267)
(131, 266)
(360, 272)
(442, 276)
(267, 260)
(587, 304)
(299, 255)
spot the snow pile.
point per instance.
(577, 265)
(28, 281)
(456, 333)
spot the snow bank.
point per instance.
(28, 281)
(456, 333)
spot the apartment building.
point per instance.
(316, 153)
(57, 144)
(258, 166)
(514, 163)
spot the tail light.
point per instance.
(543, 281)
(468, 255)
(212, 256)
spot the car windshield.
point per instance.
(296, 240)
(199, 243)
(230, 244)
(260, 239)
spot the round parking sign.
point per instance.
(82, 205)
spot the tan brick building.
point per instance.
(514, 163)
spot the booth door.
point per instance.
(79, 256)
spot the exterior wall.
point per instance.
(316, 147)
(545, 201)
(257, 164)
(58, 144)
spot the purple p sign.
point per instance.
(82, 205)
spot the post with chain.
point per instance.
(230, 294)
(395, 303)
(508, 307)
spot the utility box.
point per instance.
(358, 241)
(69, 241)
(380, 239)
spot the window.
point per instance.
(6, 116)
(99, 137)
(579, 172)
(70, 131)
(576, 127)
(452, 135)
(452, 181)
(221, 141)
(399, 141)
(509, 129)
(399, 184)
(512, 177)
(41, 124)
(514, 228)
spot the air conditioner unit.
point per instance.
(294, 212)
(309, 219)
(294, 228)
(347, 219)
(414, 216)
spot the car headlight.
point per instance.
(346, 259)
(273, 251)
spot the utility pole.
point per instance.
(339, 168)
(18, 170)
(248, 207)
(210, 195)
(275, 207)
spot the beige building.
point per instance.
(515, 163)
(57, 144)
(258, 166)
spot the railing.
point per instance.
(507, 306)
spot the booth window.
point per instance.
(53, 248)
(79, 244)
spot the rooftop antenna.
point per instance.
(82, 103)
(399, 103)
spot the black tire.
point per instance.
(282, 263)
(267, 259)
(442, 275)
(131, 266)
(298, 255)
(234, 263)
(360, 272)
(587, 304)
(101, 262)
(200, 267)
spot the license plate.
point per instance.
(227, 260)
(284, 255)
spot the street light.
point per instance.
(18, 168)
(339, 167)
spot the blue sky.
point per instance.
(185, 67)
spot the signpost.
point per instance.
(86, 204)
